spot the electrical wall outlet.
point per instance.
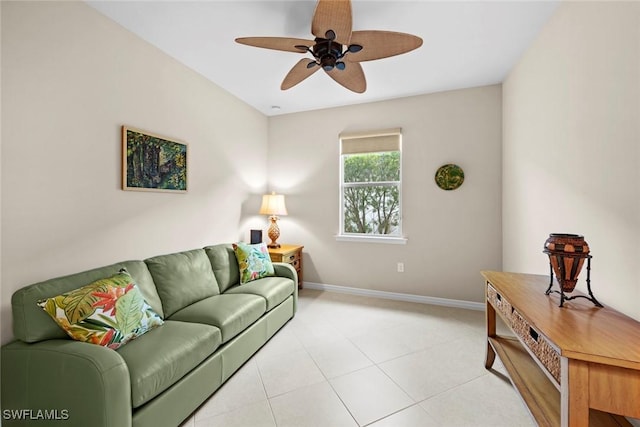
(401, 267)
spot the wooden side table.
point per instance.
(291, 254)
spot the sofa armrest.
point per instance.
(284, 269)
(73, 382)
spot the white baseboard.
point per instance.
(396, 296)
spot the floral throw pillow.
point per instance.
(109, 312)
(253, 260)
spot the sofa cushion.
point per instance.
(182, 279)
(273, 289)
(161, 357)
(109, 312)
(230, 313)
(31, 324)
(225, 265)
(254, 261)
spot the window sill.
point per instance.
(371, 239)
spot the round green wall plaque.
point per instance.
(449, 177)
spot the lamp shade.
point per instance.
(273, 204)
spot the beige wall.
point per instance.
(70, 79)
(571, 156)
(452, 234)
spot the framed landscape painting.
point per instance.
(152, 163)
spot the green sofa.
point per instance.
(212, 325)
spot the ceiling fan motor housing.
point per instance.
(327, 52)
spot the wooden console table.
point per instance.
(573, 366)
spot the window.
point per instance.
(370, 185)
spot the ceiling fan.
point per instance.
(336, 49)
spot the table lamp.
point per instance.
(273, 205)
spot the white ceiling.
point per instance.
(466, 44)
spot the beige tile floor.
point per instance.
(354, 361)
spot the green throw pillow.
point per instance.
(253, 260)
(109, 312)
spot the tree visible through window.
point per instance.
(370, 184)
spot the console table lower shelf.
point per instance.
(538, 393)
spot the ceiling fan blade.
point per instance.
(277, 43)
(381, 44)
(352, 77)
(299, 72)
(332, 15)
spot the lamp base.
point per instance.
(274, 232)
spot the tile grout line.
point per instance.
(391, 414)
(343, 403)
(332, 388)
(264, 388)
